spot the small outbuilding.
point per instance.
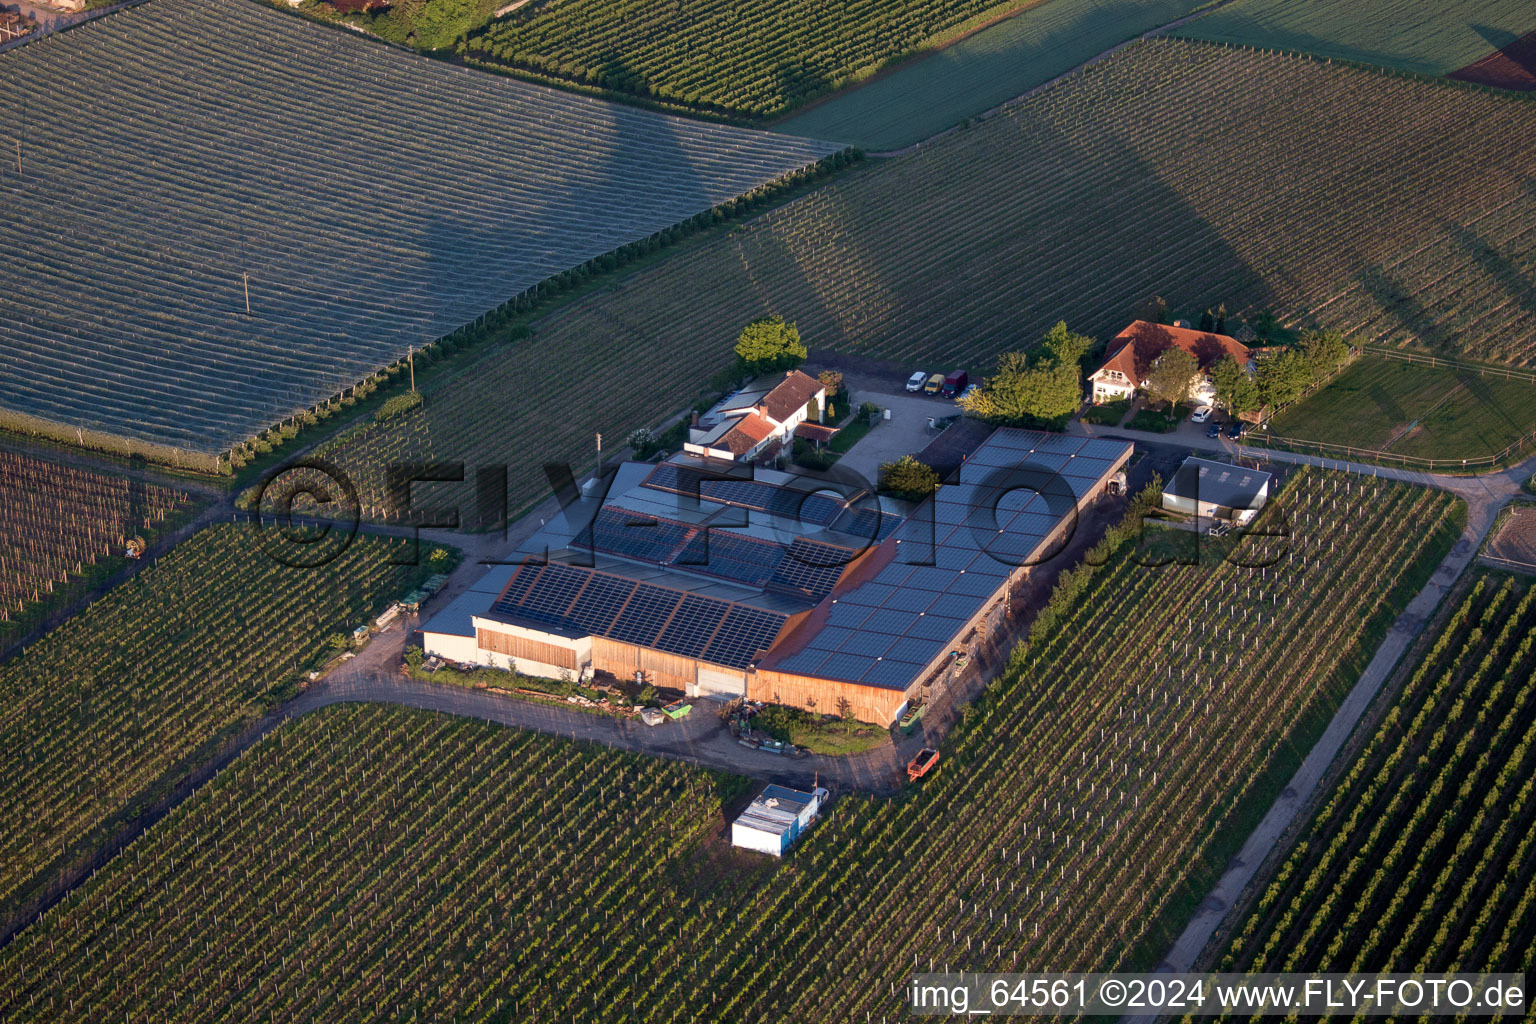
(775, 818)
(1217, 490)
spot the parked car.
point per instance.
(1200, 415)
(1214, 430)
(970, 389)
(1235, 429)
(917, 380)
(935, 384)
(955, 383)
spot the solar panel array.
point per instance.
(644, 614)
(816, 508)
(804, 568)
(952, 558)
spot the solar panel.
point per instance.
(744, 632)
(693, 625)
(812, 567)
(550, 598)
(631, 535)
(732, 556)
(647, 612)
(600, 602)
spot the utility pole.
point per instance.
(247, 279)
(18, 157)
(411, 358)
(599, 474)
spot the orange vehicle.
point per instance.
(922, 764)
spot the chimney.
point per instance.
(695, 421)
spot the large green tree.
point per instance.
(1283, 377)
(908, 478)
(769, 344)
(1324, 352)
(1170, 377)
(1236, 390)
(1034, 388)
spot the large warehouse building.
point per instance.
(711, 578)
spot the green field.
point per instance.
(1424, 857)
(425, 867)
(94, 716)
(972, 76)
(757, 60)
(1432, 39)
(980, 242)
(1415, 410)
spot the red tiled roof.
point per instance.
(816, 432)
(747, 433)
(1134, 349)
(789, 395)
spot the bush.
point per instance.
(908, 478)
(399, 405)
(808, 456)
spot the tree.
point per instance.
(908, 478)
(1236, 390)
(1034, 388)
(1065, 347)
(1207, 321)
(1170, 377)
(1282, 378)
(1323, 352)
(831, 380)
(1221, 319)
(770, 344)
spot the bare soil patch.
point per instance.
(1516, 539)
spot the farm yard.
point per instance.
(140, 685)
(978, 243)
(360, 220)
(1432, 39)
(715, 55)
(982, 71)
(1417, 410)
(61, 526)
(1152, 757)
(1422, 859)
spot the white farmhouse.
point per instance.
(745, 425)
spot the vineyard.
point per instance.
(271, 210)
(93, 715)
(433, 870)
(716, 55)
(1432, 39)
(980, 242)
(1424, 857)
(980, 72)
(61, 526)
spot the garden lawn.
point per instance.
(1412, 409)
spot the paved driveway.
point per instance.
(905, 433)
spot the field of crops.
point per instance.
(60, 525)
(447, 870)
(95, 713)
(374, 200)
(1424, 857)
(755, 61)
(980, 72)
(1416, 410)
(1432, 39)
(980, 242)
